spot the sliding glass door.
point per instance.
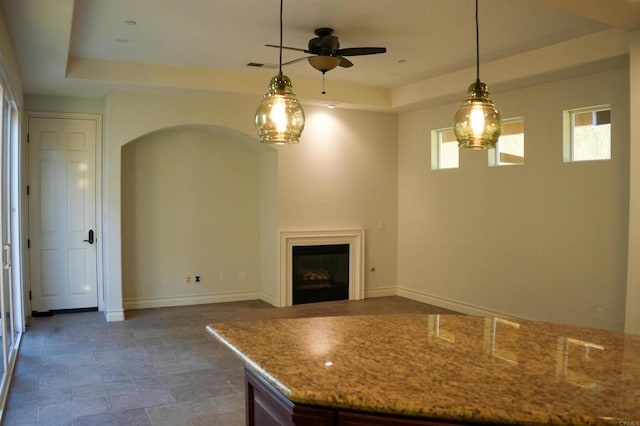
(4, 318)
(11, 302)
(7, 288)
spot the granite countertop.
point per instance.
(456, 367)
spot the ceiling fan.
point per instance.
(327, 53)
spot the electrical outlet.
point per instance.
(166, 280)
(599, 313)
(188, 279)
(242, 276)
(222, 276)
(198, 277)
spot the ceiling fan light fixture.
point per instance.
(279, 118)
(477, 123)
(324, 63)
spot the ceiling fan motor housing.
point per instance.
(325, 44)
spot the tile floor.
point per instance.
(158, 367)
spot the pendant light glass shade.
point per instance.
(477, 122)
(279, 117)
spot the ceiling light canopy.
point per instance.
(477, 121)
(279, 118)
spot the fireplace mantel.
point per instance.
(290, 239)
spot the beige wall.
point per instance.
(269, 228)
(8, 66)
(63, 104)
(130, 115)
(190, 199)
(549, 241)
(546, 240)
(341, 175)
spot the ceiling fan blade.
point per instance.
(294, 61)
(288, 48)
(357, 51)
(345, 63)
(275, 66)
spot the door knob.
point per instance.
(90, 240)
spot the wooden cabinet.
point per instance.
(266, 406)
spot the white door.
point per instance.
(62, 213)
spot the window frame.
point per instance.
(494, 153)
(436, 149)
(568, 125)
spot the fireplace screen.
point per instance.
(320, 273)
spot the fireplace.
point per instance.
(321, 266)
(320, 273)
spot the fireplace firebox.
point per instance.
(320, 273)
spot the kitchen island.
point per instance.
(419, 369)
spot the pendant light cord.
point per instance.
(280, 69)
(477, 46)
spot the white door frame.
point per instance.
(98, 181)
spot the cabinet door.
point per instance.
(268, 407)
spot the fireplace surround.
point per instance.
(354, 238)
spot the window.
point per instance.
(587, 134)
(509, 149)
(444, 149)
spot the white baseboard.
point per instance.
(114, 315)
(380, 291)
(197, 299)
(442, 302)
(268, 298)
(160, 302)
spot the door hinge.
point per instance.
(27, 189)
(28, 137)
(29, 294)
(28, 243)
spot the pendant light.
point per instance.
(477, 121)
(279, 117)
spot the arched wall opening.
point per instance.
(192, 229)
